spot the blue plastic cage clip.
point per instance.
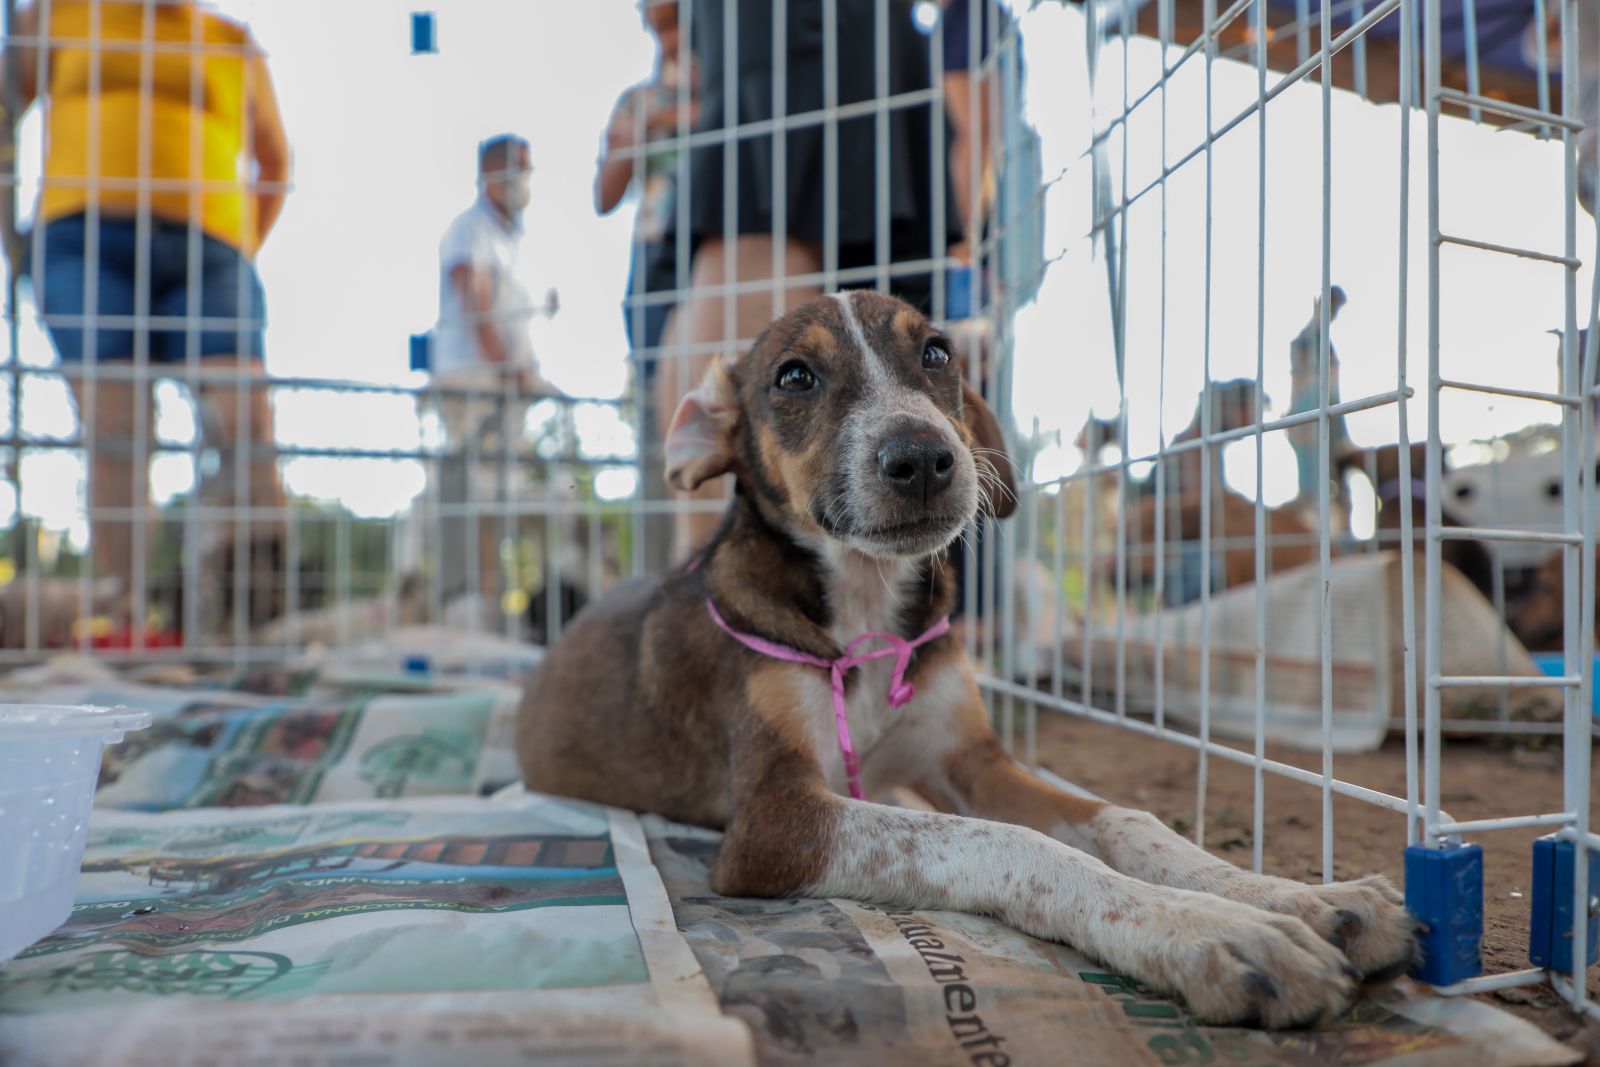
(421, 351)
(1444, 890)
(1550, 934)
(424, 39)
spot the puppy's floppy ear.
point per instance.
(700, 443)
(998, 482)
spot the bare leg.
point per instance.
(265, 538)
(264, 489)
(700, 321)
(494, 577)
(115, 480)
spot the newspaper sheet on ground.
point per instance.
(213, 748)
(473, 931)
(840, 983)
(1368, 669)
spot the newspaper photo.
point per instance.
(208, 749)
(519, 930)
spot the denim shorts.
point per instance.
(231, 315)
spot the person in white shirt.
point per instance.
(482, 359)
(484, 311)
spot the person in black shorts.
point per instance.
(821, 213)
(143, 254)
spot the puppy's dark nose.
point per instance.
(917, 465)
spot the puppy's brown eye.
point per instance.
(796, 378)
(935, 357)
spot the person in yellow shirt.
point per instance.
(165, 166)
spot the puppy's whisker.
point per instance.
(988, 478)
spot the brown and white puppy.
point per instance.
(859, 456)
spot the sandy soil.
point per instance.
(1482, 780)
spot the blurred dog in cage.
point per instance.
(1521, 483)
(1291, 540)
(805, 656)
(1523, 486)
(1381, 466)
(1538, 613)
(1291, 532)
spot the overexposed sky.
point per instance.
(1497, 186)
(384, 157)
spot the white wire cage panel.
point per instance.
(1273, 539)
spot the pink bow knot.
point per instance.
(900, 690)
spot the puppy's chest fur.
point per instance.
(864, 595)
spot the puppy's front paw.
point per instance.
(1366, 919)
(1236, 964)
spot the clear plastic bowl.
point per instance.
(49, 762)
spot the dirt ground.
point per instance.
(1481, 780)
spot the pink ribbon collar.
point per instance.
(900, 690)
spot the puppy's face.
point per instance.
(851, 417)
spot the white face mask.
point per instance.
(517, 195)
